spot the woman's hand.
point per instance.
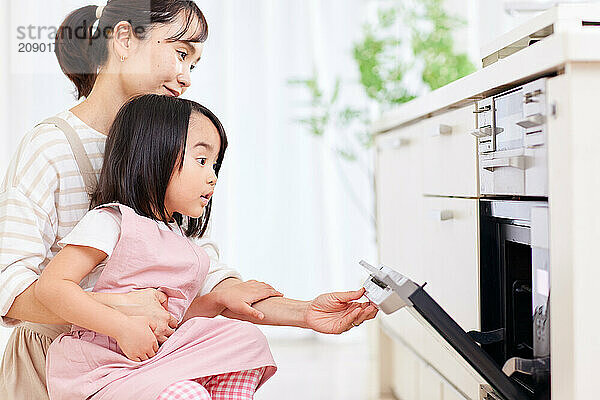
(152, 304)
(238, 298)
(337, 313)
(138, 341)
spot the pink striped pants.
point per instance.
(239, 385)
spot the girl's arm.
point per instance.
(277, 310)
(58, 290)
(237, 297)
(331, 313)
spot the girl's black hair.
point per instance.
(81, 50)
(145, 144)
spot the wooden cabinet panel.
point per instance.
(450, 154)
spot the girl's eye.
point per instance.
(192, 67)
(215, 166)
(183, 54)
(202, 161)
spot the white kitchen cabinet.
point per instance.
(403, 327)
(450, 393)
(450, 232)
(427, 210)
(398, 185)
(449, 154)
(406, 370)
(430, 383)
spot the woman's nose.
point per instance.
(184, 79)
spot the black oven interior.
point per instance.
(506, 296)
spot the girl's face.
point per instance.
(191, 188)
(155, 65)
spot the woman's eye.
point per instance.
(192, 67)
(202, 161)
(215, 166)
(183, 54)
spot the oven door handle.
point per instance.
(505, 162)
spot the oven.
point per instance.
(514, 252)
(514, 290)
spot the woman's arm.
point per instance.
(27, 307)
(58, 290)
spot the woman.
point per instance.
(128, 49)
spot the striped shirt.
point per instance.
(42, 198)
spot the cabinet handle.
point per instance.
(441, 215)
(513, 162)
(532, 120)
(442, 129)
(400, 142)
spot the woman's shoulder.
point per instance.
(45, 146)
(44, 134)
(47, 141)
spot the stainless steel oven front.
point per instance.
(511, 131)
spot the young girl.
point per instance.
(162, 159)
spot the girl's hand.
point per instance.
(137, 341)
(238, 298)
(337, 313)
(150, 303)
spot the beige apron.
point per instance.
(23, 369)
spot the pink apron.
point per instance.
(82, 363)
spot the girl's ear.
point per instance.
(123, 39)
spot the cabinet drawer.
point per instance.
(406, 369)
(450, 154)
(430, 383)
(437, 374)
(449, 393)
(398, 180)
(450, 257)
(427, 345)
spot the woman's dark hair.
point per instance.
(81, 50)
(145, 144)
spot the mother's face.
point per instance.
(160, 66)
